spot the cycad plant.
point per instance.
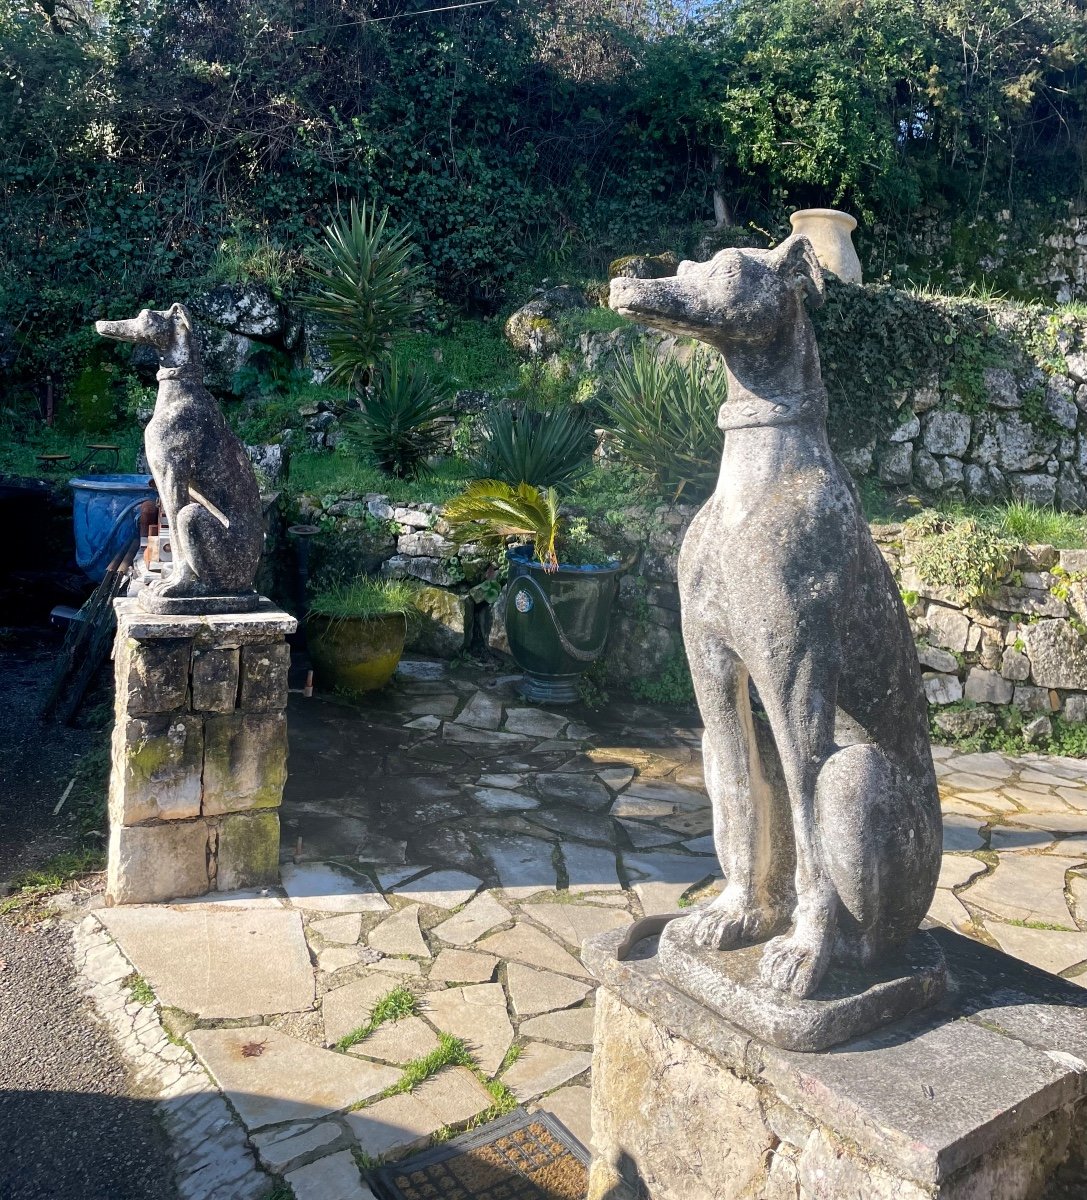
(398, 425)
(365, 290)
(544, 447)
(663, 415)
(490, 510)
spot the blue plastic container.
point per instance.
(105, 517)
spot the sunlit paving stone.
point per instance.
(1051, 949)
(399, 934)
(958, 869)
(441, 889)
(541, 1067)
(1026, 887)
(534, 991)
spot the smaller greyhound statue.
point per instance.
(830, 851)
(204, 478)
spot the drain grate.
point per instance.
(519, 1157)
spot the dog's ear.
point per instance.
(795, 261)
(179, 313)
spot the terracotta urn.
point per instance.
(829, 232)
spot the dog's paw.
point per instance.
(795, 963)
(730, 921)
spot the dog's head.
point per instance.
(163, 330)
(737, 296)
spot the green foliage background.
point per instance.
(150, 145)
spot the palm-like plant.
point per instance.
(663, 415)
(365, 290)
(490, 511)
(398, 424)
(544, 447)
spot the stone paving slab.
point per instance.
(271, 1077)
(335, 1177)
(316, 887)
(218, 962)
(533, 991)
(476, 1013)
(482, 915)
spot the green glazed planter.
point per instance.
(557, 623)
(355, 654)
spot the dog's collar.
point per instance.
(184, 372)
(749, 411)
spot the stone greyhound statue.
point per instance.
(830, 851)
(204, 478)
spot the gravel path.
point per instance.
(73, 1126)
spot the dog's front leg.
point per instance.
(173, 485)
(798, 688)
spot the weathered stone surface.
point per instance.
(477, 1014)
(280, 1148)
(1058, 655)
(482, 915)
(152, 676)
(582, 791)
(245, 761)
(536, 721)
(659, 1106)
(463, 966)
(503, 800)
(524, 943)
(264, 668)
(590, 868)
(524, 865)
(572, 1026)
(285, 1079)
(481, 712)
(987, 687)
(202, 474)
(214, 678)
(393, 1126)
(335, 1177)
(1026, 889)
(149, 863)
(319, 888)
(576, 922)
(542, 1068)
(441, 889)
(659, 880)
(348, 1007)
(248, 850)
(399, 934)
(946, 433)
(398, 1042)
(937, 660)
(344, 929)
(534, 991)
(218, 962)
(827, 1171)
(1049, 949)
(157, 762)
(572, 1106)
(948, 627)
(942, 689)
(962, 833)
(444, 624)
(266, 622)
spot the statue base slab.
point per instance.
(849, 1003)
(981, 1095)
(197, 606)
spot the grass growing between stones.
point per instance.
(400, 1002)
(32, 886)
(140, 990)
(451, 1052)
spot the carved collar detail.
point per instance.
(184, 372)
(748, 411)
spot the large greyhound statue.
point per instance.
(830, 852)
(204, 478)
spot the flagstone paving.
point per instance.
(445, 838)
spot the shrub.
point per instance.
(398, 425)
(961, 554)
(545, 448)
(663, 415)
(365, 290)
(490, 511)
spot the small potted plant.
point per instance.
(562, 582)
(355, 632)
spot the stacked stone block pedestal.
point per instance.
(983, 1097)
(199, 755)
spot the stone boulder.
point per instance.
(249, 309)
(1010, 443)
(1057, 653)
(532, 330)
(644, 266)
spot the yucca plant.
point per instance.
(663, 415)
(544, 447)
(365, 290)
(398, 422)
(490, 511)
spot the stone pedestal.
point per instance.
(199, 752)
(981, 1098)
